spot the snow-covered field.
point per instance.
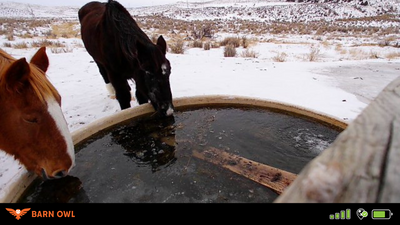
(341, 88)
(345, 76)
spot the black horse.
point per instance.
(123, 51)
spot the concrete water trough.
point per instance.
(214, 149)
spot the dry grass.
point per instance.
(245, 42)
(47, 43)
(207, 46)
(314, 54)
(338, 47)
(197, 44)
(357, 54)
(234, 41)
(20, 45)
(392, 55)
(10, 37)
(61, 50)
(64, 30)
(373, 55)
(215, 45)
(7, 45)
(177, 47)
(280, 57)
(248, 53)
(230, 51)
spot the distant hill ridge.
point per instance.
(258, 10)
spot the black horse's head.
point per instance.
(157, 70)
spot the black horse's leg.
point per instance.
(122, 90)
(141, 98)
(140, 89)
(109, 86)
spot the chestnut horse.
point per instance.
(123, 51)
(32, 126)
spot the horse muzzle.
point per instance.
(55, 175)
(166, 109)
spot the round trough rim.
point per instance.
(17, 186)
(201, 101)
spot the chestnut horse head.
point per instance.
(32, 126)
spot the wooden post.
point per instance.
(363, 164)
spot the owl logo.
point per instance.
(18, 213)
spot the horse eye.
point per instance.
(31, 120)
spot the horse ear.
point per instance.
(162, 44)
(17, 75)
(40, 59)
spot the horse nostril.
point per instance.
(60, 174)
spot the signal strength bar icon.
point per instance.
(343, 214)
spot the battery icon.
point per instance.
(381, 214)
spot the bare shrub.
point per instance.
(235, 41)
(154, 38)
(245, 42)
(197, 44)
(178, 47)
(10, 37)
(207, 46)
(280, 57)
(204, 32)
(248, 53)
(47, 43)
(387, 41)
(384, 43)
(230, 51)
(7, 45)
(215, 45)
(20, 45)
(65, 30)
(338, 47)
(373, 55)
(358, 54)
(61, 50)
(77, 44)
(392, 55)
(26, 35)
(314, 54)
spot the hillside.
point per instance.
(274, 11)
(21, 10)
(254, 10)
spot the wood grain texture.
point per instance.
(363, 164)
(275, 179)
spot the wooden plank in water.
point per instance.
(271, 177)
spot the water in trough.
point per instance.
(152, 160)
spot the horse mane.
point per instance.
(125, 28)
(37, 78)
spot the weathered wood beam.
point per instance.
(276, 179)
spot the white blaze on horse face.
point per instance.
(54, 110)
(164, 69)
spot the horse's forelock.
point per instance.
(37, 78)
(41, 85)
